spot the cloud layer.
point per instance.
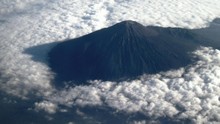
(191, 92)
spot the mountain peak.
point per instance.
(129, 23)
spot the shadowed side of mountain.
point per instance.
(123, 51)
(210, 36)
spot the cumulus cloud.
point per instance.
(140, 122)
(191, 93)
(46, 106)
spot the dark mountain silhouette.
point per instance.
(123, 51)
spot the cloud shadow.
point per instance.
(39, 53)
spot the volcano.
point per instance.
(122, 52)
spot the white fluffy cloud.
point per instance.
(191, 92)
(46, 106)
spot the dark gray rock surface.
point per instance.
(124, 51)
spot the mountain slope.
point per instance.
(122, 51)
